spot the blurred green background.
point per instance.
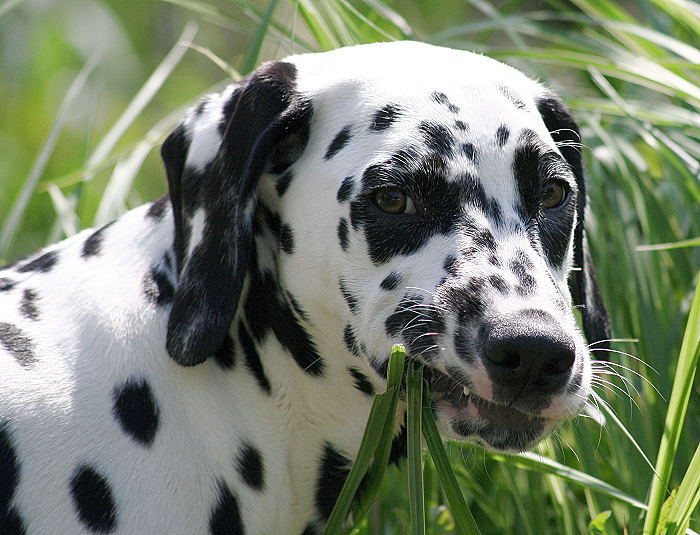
(89, 89)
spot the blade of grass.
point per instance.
(675, 417)
(381, 415)
(414, 398)
(20, 205)
(253, 54)
(688, 495)
(139, 102)
(466, 525)
(693, 242)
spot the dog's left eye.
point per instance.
(554, 194)
(393, 200)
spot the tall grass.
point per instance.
(630, 73)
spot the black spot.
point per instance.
(93, 500)
(451, 265)
(350, 299)
(42, 264)
(484, 240)
(467, 300)
(440, 98)
(350, 341)
(339, 141)
(6, 284)
(378, 365)
(252, 359)
(385, 116)
(265, 311)
(287, 239)
(418, 325)
(92, 246)
(28, 306)
(199, 110)
(526, 282)
(158, 208)
(494, 260)
(437, 138)
(136, 410)
(250, 467)
(474, 191)
(333, 470)
(225, 516)
(495, 213)
(157, 287)
(502, 135)
(283, 182)
(17, 343)
(461, 126)
(510, 95)
(346, 188)
(225, 356)
(11, 522)
(499, 283)
(362, 382)
(297, 307)
(469, 150)
(343, 234)
(391, 281)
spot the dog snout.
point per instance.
(527, 353)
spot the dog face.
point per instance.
(397, 193)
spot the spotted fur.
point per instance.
(205, 364)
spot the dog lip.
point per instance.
(445, 388)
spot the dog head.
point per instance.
(397, 193)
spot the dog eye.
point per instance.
(393, 201)
(554, 194)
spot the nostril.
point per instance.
(505, 358)
(559, 365)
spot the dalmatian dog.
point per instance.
(205, 364)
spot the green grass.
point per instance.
(80, 127)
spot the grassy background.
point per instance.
(630, 71)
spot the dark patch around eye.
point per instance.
(532, 165)
(438, 200)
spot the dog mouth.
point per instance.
(499, 426)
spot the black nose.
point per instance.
(527, 353)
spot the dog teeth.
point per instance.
(466, 390)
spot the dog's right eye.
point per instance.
(393, 201)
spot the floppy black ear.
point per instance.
(214, 196)
(582, 282)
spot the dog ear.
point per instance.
(213, 162)
(582, 282)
